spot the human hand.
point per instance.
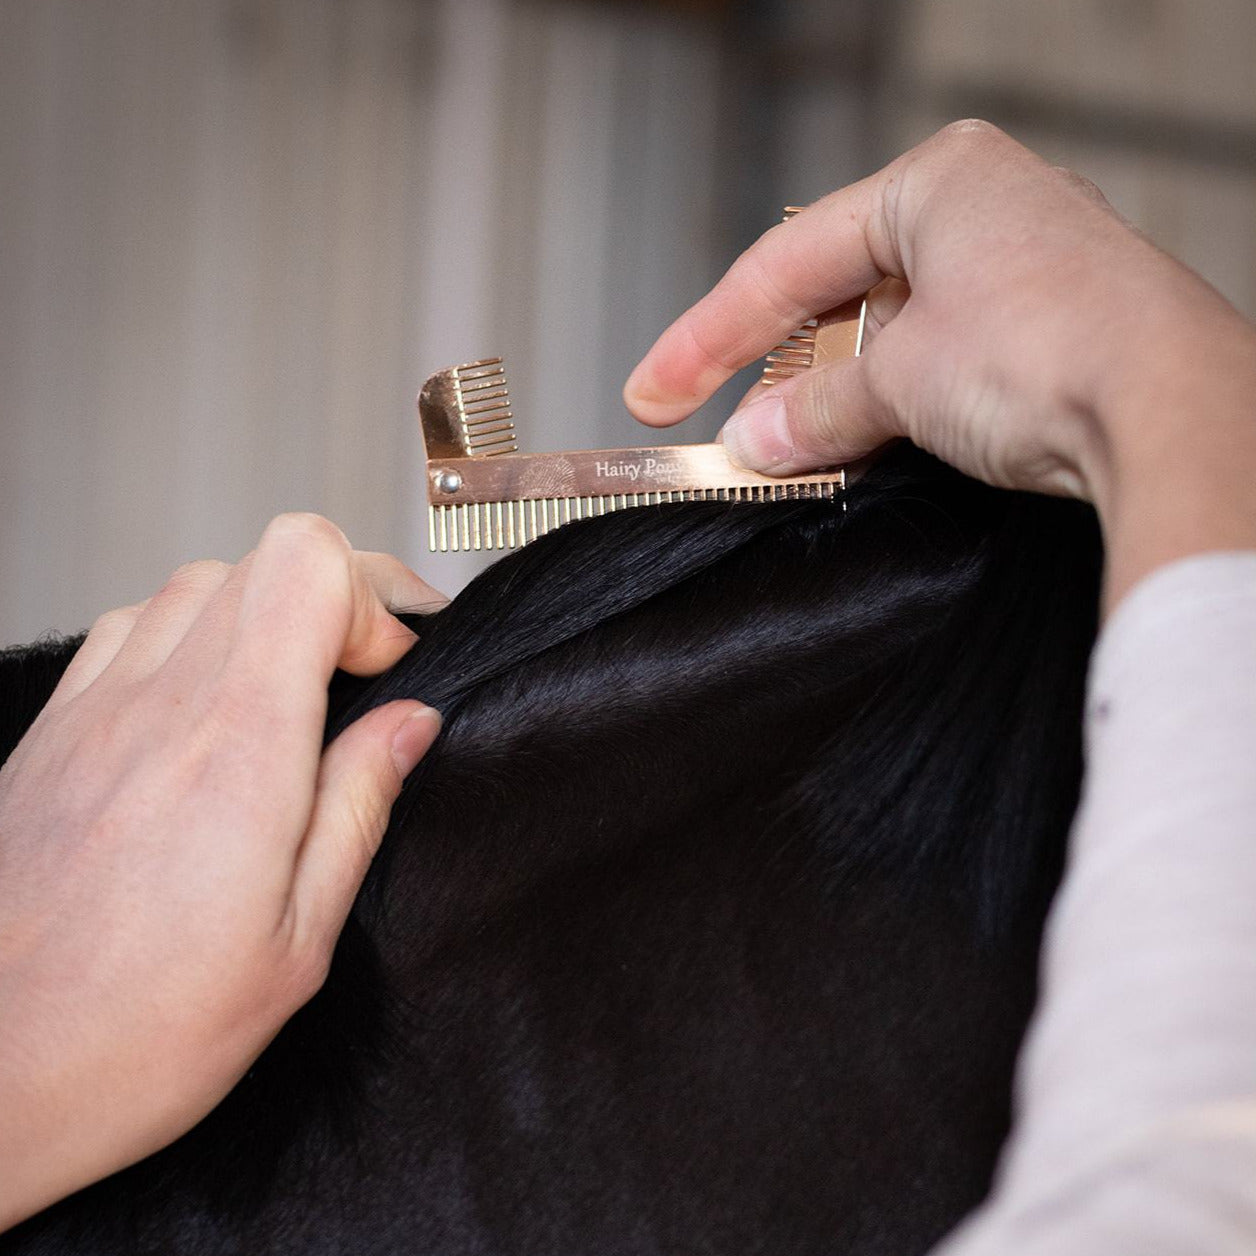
(1018, 328)
(177, 851)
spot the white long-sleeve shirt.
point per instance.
(1136, 1091)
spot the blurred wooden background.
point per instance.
(235, 235)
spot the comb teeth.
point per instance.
(508, 525)
(484, 408)
(797, 352)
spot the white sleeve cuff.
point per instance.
(1139, 1074)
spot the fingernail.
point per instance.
(757, 436)
(414, 737)
(643, 399)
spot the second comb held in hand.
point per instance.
(1017, 327)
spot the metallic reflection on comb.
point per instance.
(796, 353)
(838, 334)
(485, 495)
(484, 412)
(498, 525)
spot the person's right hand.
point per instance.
(1018, 328)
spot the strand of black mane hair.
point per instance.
(932, 542)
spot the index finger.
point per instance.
(830, 252)
(309, 605)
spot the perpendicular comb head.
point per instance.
(835, 335)
(464, 412)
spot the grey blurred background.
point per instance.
(235, 235)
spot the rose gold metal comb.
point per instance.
(484, 495)
(837, 334)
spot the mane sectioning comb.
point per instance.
(838, 334)
(483, 494)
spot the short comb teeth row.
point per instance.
(796, 353)
(507, 525)
(484, 408)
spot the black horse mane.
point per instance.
(709, 925)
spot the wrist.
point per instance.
(1174, 460)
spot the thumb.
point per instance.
(360, 776)
(821, 417)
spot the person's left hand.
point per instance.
(177, 852)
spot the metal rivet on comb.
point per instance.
(448, 481)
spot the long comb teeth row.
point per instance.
(507, 525)
(484, 408)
